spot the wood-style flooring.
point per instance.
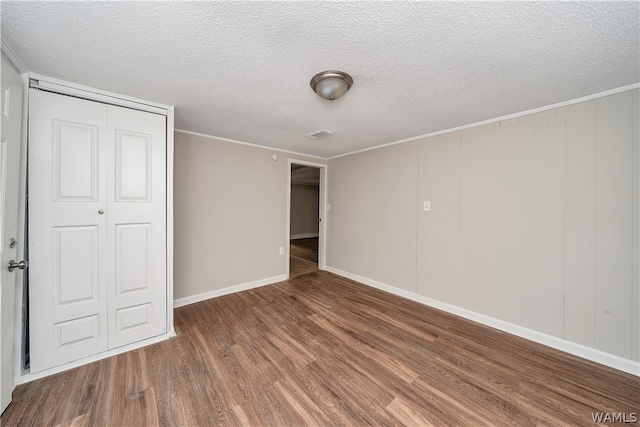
(299, 266)
(321, 350)
(303, 256)
(306, 249)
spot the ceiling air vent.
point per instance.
(317, 134)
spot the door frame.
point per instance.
(14, 90)
(63, 87)
(322, 208)
(18, 344)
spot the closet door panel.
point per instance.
(133, 258)
(67, 232)
(75, 264)
(75, 161)
(136, 225)
(133, 166)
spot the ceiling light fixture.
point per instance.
(331, 84)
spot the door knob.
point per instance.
(100, 211)
(21, 265)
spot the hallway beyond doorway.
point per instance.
(303, 256)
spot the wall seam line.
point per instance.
(632, 202)
(595, 233)
(564, 240)
(418, 213)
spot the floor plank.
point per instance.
(306, 249)
(303, 256)
(322, 350)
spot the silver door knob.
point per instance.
(100, 211)
(21, 265)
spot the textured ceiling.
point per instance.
(241, 70)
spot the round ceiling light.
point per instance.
(331, 84)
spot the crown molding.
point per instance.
(17, 62)
(498, 119)
(235, 141)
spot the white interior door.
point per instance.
(97, 227)
(136, 225)
(67, 229)
(11, 112)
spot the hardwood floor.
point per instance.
(303, 256)
(299, 266)
(306, 249)
(322, 350)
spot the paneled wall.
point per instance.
(533, 221)
(372, 222)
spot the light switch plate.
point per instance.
(427, 206)
(5, 103)
(281, 250)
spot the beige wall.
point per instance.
(230, 214)
(304, 209)
(533, 221)
(371, 228)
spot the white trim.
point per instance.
(27, 376)
(324, 202)
(17, 62)
(322, 207)
(287, 251)
(304, 236)
(498, 119)
(579, 350)
(85, 92)
(22, 203)
(235, 141)
(170, 160)
(181, 302)
(307, 163)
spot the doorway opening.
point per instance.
(306, 216)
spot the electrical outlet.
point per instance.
(281, 250)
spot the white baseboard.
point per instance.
(303, 236)
(579, 350)
(181, 302)
(27, 376)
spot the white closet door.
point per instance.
(97, 227)
(136, 225)
(67, 231)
